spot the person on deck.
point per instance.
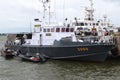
(94, 31)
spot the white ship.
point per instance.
(85, 25)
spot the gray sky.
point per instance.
(17, 15)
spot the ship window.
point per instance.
(93, 24)
(63, 29)
(52, 29)
(80, 28)
(29, 36)
(71, 29)
(48, 30)
(67, 29)
(89, 18)
(86, 24)
(96, 24)
(44, 30)
(57, 29)
(81, 24)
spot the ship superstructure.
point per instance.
(89, 22)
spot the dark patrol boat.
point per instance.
(56, 41)
(62, 43)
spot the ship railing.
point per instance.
(96, 39)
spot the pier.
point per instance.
(116, 51)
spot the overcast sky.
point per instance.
(18, 15)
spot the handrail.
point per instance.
(97, 39)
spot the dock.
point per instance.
(116, 51)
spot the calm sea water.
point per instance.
(15, 69)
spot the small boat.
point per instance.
(7, 53)
(36, 58)
(32, 58)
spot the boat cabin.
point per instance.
(46, 35)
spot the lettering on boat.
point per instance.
(82, 49)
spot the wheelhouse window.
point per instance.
(71, 29)
(52, 29)
(63, 30)
(57, 29)
(44, 30)
(48, 30)
(67, 29)
(97, 24)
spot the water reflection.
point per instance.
(59, 70)
(16, 69)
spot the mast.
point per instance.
(45, 3)
(89, 12)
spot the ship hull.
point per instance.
(93, 52)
